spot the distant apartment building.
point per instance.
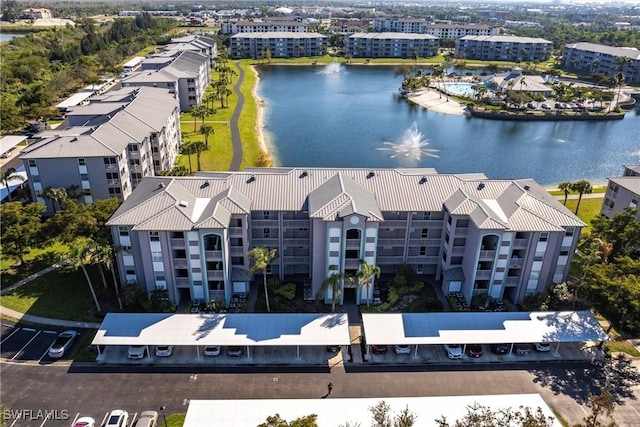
(279, 44)
(265, 26)
(608, 60)
(622, 192)
(185, 74)
(349, 25)
(195, 43)
(110, 145)
(33, 13)
(391, 45)
(442, 31)
(470, 234)
(503, 48)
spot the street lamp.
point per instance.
(164, 417)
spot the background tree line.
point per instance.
(42, 68)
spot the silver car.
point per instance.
(147, 419)
(62, 343)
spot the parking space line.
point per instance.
(44, 354)
(49, 332)
(10, 335)
(14, 422)
(104, 419)
(75, 418)
(8, 326)
(133, 419)
(44, 421)
(29, 329)
(25, 346)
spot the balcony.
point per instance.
(180, 263)
(177, 243)
(483, 274)
(520, 243)
(487, 254)
(516, 263)
(422, 259)
(457, 250)
(236, 250)
(264, 223)
(213, 255)
(390, 242)
(215, 274)
(182, 282)
(235, 231)
(389, 259)
(353, 244)
(512, 280)
(461, 231)
(296, 223)
(352, 263)
(288, 260)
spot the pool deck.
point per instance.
(433, 100)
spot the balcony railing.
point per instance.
(236, 250)
(177, 243)
(215, 274)
(516, 262)
(235, 231)
(182, 282)
(512, 281)
(262, 223)
(353, 243)
(487, 254)
(180, 263)
(213, 255)
(483, 274)
(457, 250)
(520, 243)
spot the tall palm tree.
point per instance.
(331, 283)
(8, 176)
(197, 111)
(206, 130)
(103, 255)
(55, 195)
(198, 147)
(565, 186)
(80, 252)
(262, 257)
(366, 274)
(582, 187)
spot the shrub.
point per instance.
(287, 291)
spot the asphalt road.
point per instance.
(78, 389)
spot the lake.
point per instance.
(351, 116)
(5, 37)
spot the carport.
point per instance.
(481, 328)
(246, 330)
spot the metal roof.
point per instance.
(516, 205)
(629, 52)
(393, 36)
(223, 329)
(631, 183)
(10, 141)
(506, 39)
(278, 35)
(482, 328)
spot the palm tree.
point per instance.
(80, 252)
(198, 147)
(582, 187)
(10, 175)
(103, 255)
(197, 111)
(566, 187)
(332, 283)
(366, 274)
(188, 149)
(619, 82)
(206, 130)
(605, 249)
(262, 257)
(55, 195)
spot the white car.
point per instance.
(117, 418)
(62, 343)
(136, 352)
(84, 422)
(147, 419)
(543, 346)
(212, 350)
(402, 349)
(454, 351)
(546, 106)
(164, 350)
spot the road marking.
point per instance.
(193, 377)
(75, 418)
(10, 335)
(8, 326)
(29, 329)
(104, 419)
(275, 379)
(45, 353)
(14, 422)
(25, 346)
(133, 419)
(49, 332)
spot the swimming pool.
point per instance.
(461, 89)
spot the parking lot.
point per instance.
(54, 418)
(22, 343)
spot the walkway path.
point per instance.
(236, 161)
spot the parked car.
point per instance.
(475, 350)
(378, 349)
(84, 422)
(402, 349)
(235, 351)
(543, 346)
(500, 348)
(558, 105)
(333, 348)
(522, 349)
(147, 419)
(164, 350)
(546, 106)
(136, 352)
(454, 351)
(531, 105)
(212, 350)
(62, 343)
(117, 418)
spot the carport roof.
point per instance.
(223, 329)
(482, 328)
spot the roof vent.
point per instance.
(481, 186)
(423, 180)
(161, 185)
(371, 175)
(183, 203)
(251, 179)
(304, 174)
(526, 187)
(205, 184)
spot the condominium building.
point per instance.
(110, 145)
(442, 31)
(599, 59)
(469, 234)
(195, 43)
(622, 192)
(391, 45)
(266, 26)
(279, 44)
(503, 48)
(186, 74)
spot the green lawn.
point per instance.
(37, 259)
(589, 209)
(60, 294)
(173, 420)
(597, 189)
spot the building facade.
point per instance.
(266, 26)
(191, 235)
(280, 44)
(599, 59)
(391, 45)
(185, 74)
(503, 48)
(622, 192)
(196, 43)
(442, 31)
(109, 146)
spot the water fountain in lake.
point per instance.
(412, 146)
(333, 68)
